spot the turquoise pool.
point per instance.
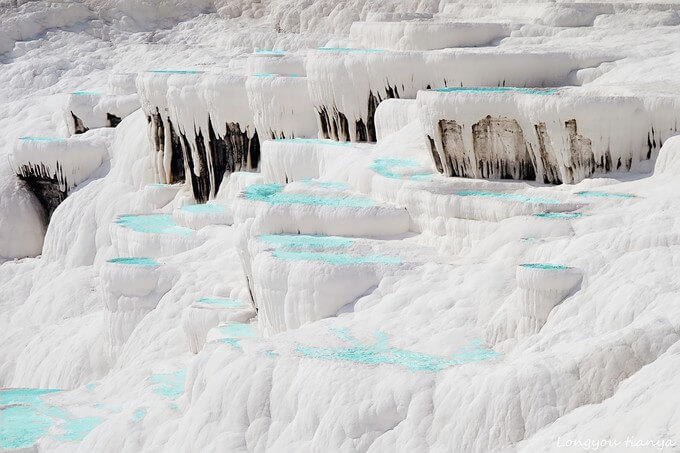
(144, 262)
(538, 91)
(272, 194)
(508, 196)
(302, 241)
(152, 223)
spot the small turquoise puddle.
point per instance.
(207, 208)
(302, 241)
(271, 193)
(139, 414)
(42, 139)
(25, 418)
(336, 259)
(271, 74)
(326, 184)
(235, 331)
(559, 215)
(545, 266)
(349, 49)
(590, 193)
(143, 262)
(531, 240)
(218, 302)
(169, 385)
(314, 141)
(159, 185)
(86, 93)
(385, 167)
(91, 386)
(152, 223)
(381, 353)
(508, 196)
(173, 71)
(269, 52)
(538, 91)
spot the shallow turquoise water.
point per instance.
(385, 166)
(272, 74)
(204, 208)
(234, 332)
(86, 93)
(139, 414)
(326, 184)
(508, 196)
(350, 49)
(221, 302)
(173, 71)
(144, 262)
(271, 193)
(270, 51)
(336, 259)
(539, 91)
(25, 418)
(381, 353)
(302, 241)
(545, 266)
(238, 330)
(42, 139)
(593, 193)
(559, 215)
(152, 223)
(169, 385)
(314, 141)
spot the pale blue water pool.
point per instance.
(508, 196)
(273, 74)
(234, 332)
(381, 353)
(302, 241)
(144, 262)
(170, 385)
(313, 141)
(538, 91)
(545, 266)
(596, 194)
(333, 185)
(208, 208)
(25, 418)
(152, 223)
(173, 71)
(271, 193)
(559, 215)
(86, 93)
(269, 52)
(385, 167)
(139, 414)
(219, 302)
(336, 259)
(42, 139)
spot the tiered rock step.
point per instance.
(427, 34)
(295, 279)
(53, 166)
(554, 14)
(130, 288)
(204, 314)
(289, 160)
(151, 235)
(158, 195)
(201, 127)
(346, 85)
(540, 288)
(281, 106)
(273, 61)
(231, 334)
(197, 216)
(318, 208)
(548, 135)
(87, 110)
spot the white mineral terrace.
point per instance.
(294, 226)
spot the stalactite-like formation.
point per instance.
(51, 188)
